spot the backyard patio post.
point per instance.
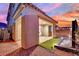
(30, 31)
(74, 29)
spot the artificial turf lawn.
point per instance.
(49, 44)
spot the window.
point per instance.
(43, 30)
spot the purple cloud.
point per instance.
(52, 7)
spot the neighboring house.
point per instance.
(31, 25)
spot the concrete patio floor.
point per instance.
(15, 49)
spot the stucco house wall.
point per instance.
(18, 29)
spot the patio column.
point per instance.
(30, 31)
(74, 29)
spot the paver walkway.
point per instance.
(39, 51)
(8, 47)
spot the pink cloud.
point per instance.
(75, 6)
(3, 18)
(52, 7)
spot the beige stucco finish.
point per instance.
(18, 29)
(47, 23)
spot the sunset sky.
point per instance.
(61, 12)
(51, 9)
(3, 12)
